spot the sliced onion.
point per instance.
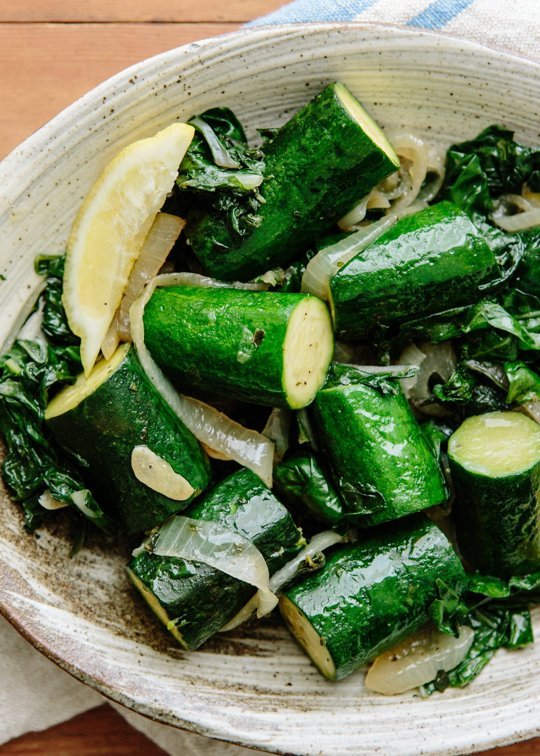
(417, 660)
(80, 499)
(531, 409)
(318, 544)
(159, 241)
(325, 264)
(354, 216)
(112, 339)
(433, 360)
(48, 502)
(435, 174)
(156, 473)
(219, 547)
(277, 429)
(219, 154)
(519, 221)
(413, 154)
(208, 425)
(532, 197)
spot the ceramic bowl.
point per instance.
(251, 687)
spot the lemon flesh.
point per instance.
(110, 229)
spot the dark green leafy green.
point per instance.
(54, 324)
(481, 169)
(29, 374)
(523, 383)
(495, 626)
(222, 172)
(301, 482)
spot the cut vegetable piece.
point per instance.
(160, 240)
(220, 547)
(317, 166)
(110, 229)
(301, 483)
(215, 430)
(381, 463)
(261, 347)
(417, 660)
(311, 558)
(195, 600)
(495, 465)
(370, 595)
(103, 417)
(427, 262)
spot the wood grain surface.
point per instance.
(52, 52)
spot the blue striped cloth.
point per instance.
(512, 25)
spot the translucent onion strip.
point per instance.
(417, 660)
(318, 544)
(211, 427)
(156, 248)
(277, 429)
(48, 501)
(437, 360)
(413, 154)
(519, 221)
(325, 264)
(219, 547)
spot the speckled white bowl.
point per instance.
(254, 688)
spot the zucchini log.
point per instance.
(195, 600)
(382, 465)
(256, 346)
(495, 465)
(328, 156)
(117, 424)
(302, 484)
(370, 595)
(427, 262)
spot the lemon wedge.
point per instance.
(110, 229)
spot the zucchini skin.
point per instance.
(372, 594)
(301, 482)
(123, 412)
(224, 341)
(316, 167)
(199, 598)
(498, 519)
(427, 262)
(382, 465)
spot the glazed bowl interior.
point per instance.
(253, 686)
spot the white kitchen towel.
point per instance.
(34, 693)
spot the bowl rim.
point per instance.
(55, 126)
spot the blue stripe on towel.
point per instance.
(439, 13)
(308, 10)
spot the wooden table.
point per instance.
(51, 52)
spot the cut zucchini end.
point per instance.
(366, 122)
(307, 351)
(308, 638)
(497, 444)
(156, 607)
(72, 396)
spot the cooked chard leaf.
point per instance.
(523, 383)
(381, 377)
(495, 626)
(481, 169)
(219, 158)
(482, 315)
(302, 483)
(54, 323)
(222, 173)
(498, 588)
(29, 374)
